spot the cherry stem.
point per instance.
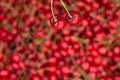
(70, 16)
(55, 19)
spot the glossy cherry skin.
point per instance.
(75, 18)
(59, 24)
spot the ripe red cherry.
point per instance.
(89, 34)
(71, 51)
(4, 73)
(59, 24)
(85, 66)
(15, 66)
(15, 58)
(112, 24)
(102, 50)
(52, 60)
(2, 17)
(64, 45)
(36, 77)
(1, 57)
(116, 50)
(75, 18)
(117, 13)
(65, 70)
(32, 20)
(96, 5)
(47, 43)
(117, 77)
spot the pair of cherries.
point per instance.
(61, 21)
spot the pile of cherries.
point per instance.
(59, 39)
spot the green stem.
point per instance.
(55, 19)
(70, 16)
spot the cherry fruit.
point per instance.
(74, 19)
(59, 24)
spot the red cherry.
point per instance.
(4, 73)
(65, 70)
(112, 24)
(55, 47)
(59, 24)
(15, 58)
(116, 50)
(52, 60)
(102, 50)
(53, 77)
(98, 60)
(76, 46)
(52, 69)
(47, 43)
(85, 65)
(104, 62)
(63, 53)
(32, 20)
(97, 28)
(15, 66)
(88, 1)
(109, 78)
(66, 32)
(36, 77)
(1, 57)
(96, 5)
(35, 3)
(64, 45)
(110, 54)
(75, 18)
(85, 22)
(14, 76)
(102, 78)
(111, 5)
(71, 51)
(104, 2)
(100, 36)
(93, 68)
(117, 13)
(2, 17)
(89, 33)
(117, 77)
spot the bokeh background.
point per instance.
(31, 49)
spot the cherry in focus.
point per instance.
(59, 24)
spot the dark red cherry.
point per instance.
(59, 24)
(75, 18)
